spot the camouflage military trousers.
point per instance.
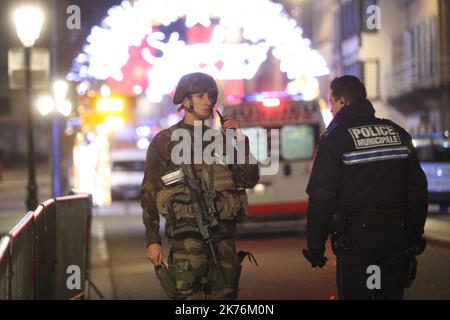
(196, 277)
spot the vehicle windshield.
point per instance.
(297, 142)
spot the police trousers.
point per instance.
(374, 266)
(354, 280)
(196, 277)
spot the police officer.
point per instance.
(190, 261)
(368, 190)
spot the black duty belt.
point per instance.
(377, 217)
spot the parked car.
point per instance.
(127, 172)
(434, 154)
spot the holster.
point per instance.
(411, 253)
(167, 280)
(339, 232)
(411, 271)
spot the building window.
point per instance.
(351, 19)
(337, 31)
(365, 16)
(5, 106)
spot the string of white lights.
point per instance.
(260, 25)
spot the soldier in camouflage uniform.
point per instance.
(189, 259)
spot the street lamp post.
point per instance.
(32, 200)
(28, 21)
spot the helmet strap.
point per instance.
(190, 109)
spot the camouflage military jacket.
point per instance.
(159, 163)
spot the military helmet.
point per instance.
(193, 83)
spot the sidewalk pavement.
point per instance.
(100, 265)
(13, 193)
(437, 229)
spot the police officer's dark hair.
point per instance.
(349, 87)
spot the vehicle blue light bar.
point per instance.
(261, 96)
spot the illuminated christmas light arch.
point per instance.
(262, 24)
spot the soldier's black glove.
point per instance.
(315, 257)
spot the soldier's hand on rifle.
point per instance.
(155, 254)
(315, 257)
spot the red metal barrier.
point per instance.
(45, 248)
(22, 259)
(5, 287)
(45, 256)
(72, 230)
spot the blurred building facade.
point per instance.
(63, 44)
(404, 64)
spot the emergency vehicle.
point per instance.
(127, 173)
(281, 195)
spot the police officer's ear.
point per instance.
(342, 101)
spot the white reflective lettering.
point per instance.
(374, 280)
(74, 280)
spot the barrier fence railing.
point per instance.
(5, 261)
(22, 259)
(46, 255)
(45, 248)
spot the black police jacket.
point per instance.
(364, 161)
